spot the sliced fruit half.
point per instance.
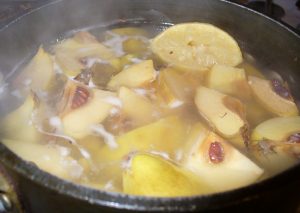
(276, 143)
(274, 96)
(196, 47)
(224, 113)
(217, 162)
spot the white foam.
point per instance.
(109, 139)
(113, 101)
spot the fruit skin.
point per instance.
(165, 135)
(18, 124)
(270, 145)
(229, 80)
(224, 113)
(77, 123)
(233, 171)
(152, 175)
(137, 107)
(196, 47)
(39, 72)
(270, 100)
(137, 75)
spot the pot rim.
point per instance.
(143, 203)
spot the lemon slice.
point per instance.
(196, 47)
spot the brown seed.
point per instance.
(216, 152)
(81, 96)
(294, 138)
(280, 89)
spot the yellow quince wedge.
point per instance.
(152, 175)
(196, 47)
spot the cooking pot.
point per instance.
(273, 45)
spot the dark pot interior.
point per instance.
(273, 45)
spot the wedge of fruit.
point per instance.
(72, 54)
(18, 124)
(137, 75)
(224, 113)
(276, 143)
(47, 157)
(165, 135)
(196, 47)
(84, 108)
(137, 107)
(229, 80)
(217, 162)
(136, 46)
(276, 129)
(175, 88)
(38, 74)
(274, 96)
(152, 175)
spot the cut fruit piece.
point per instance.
(273, 143)
(136, 46)
(229, 80)
(72, 54)
(152, 175)
(196, 47)
(138, 108)
(224, 113)
(18, 124)
(84, 109)
(38, 74)
(166, 136)
(175, 88)
(276, 129)
(217, 162)
(275, 157)
(137, 75)
(272, 101)
(47, 157)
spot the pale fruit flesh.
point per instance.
(20, 121)
(165, 135)
(234, 169)
(47, 158)
(137, 107)
(276, 129)
(269, 99)
(270, 143)
(196, 47)
(78, 122)
(229, 80)
(211, 105)
(137, 75)
(38, 74)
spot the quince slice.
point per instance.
(152, 175)
(217, 162)
(196, 47)
(272, 101)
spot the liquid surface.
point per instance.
(138, 111)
